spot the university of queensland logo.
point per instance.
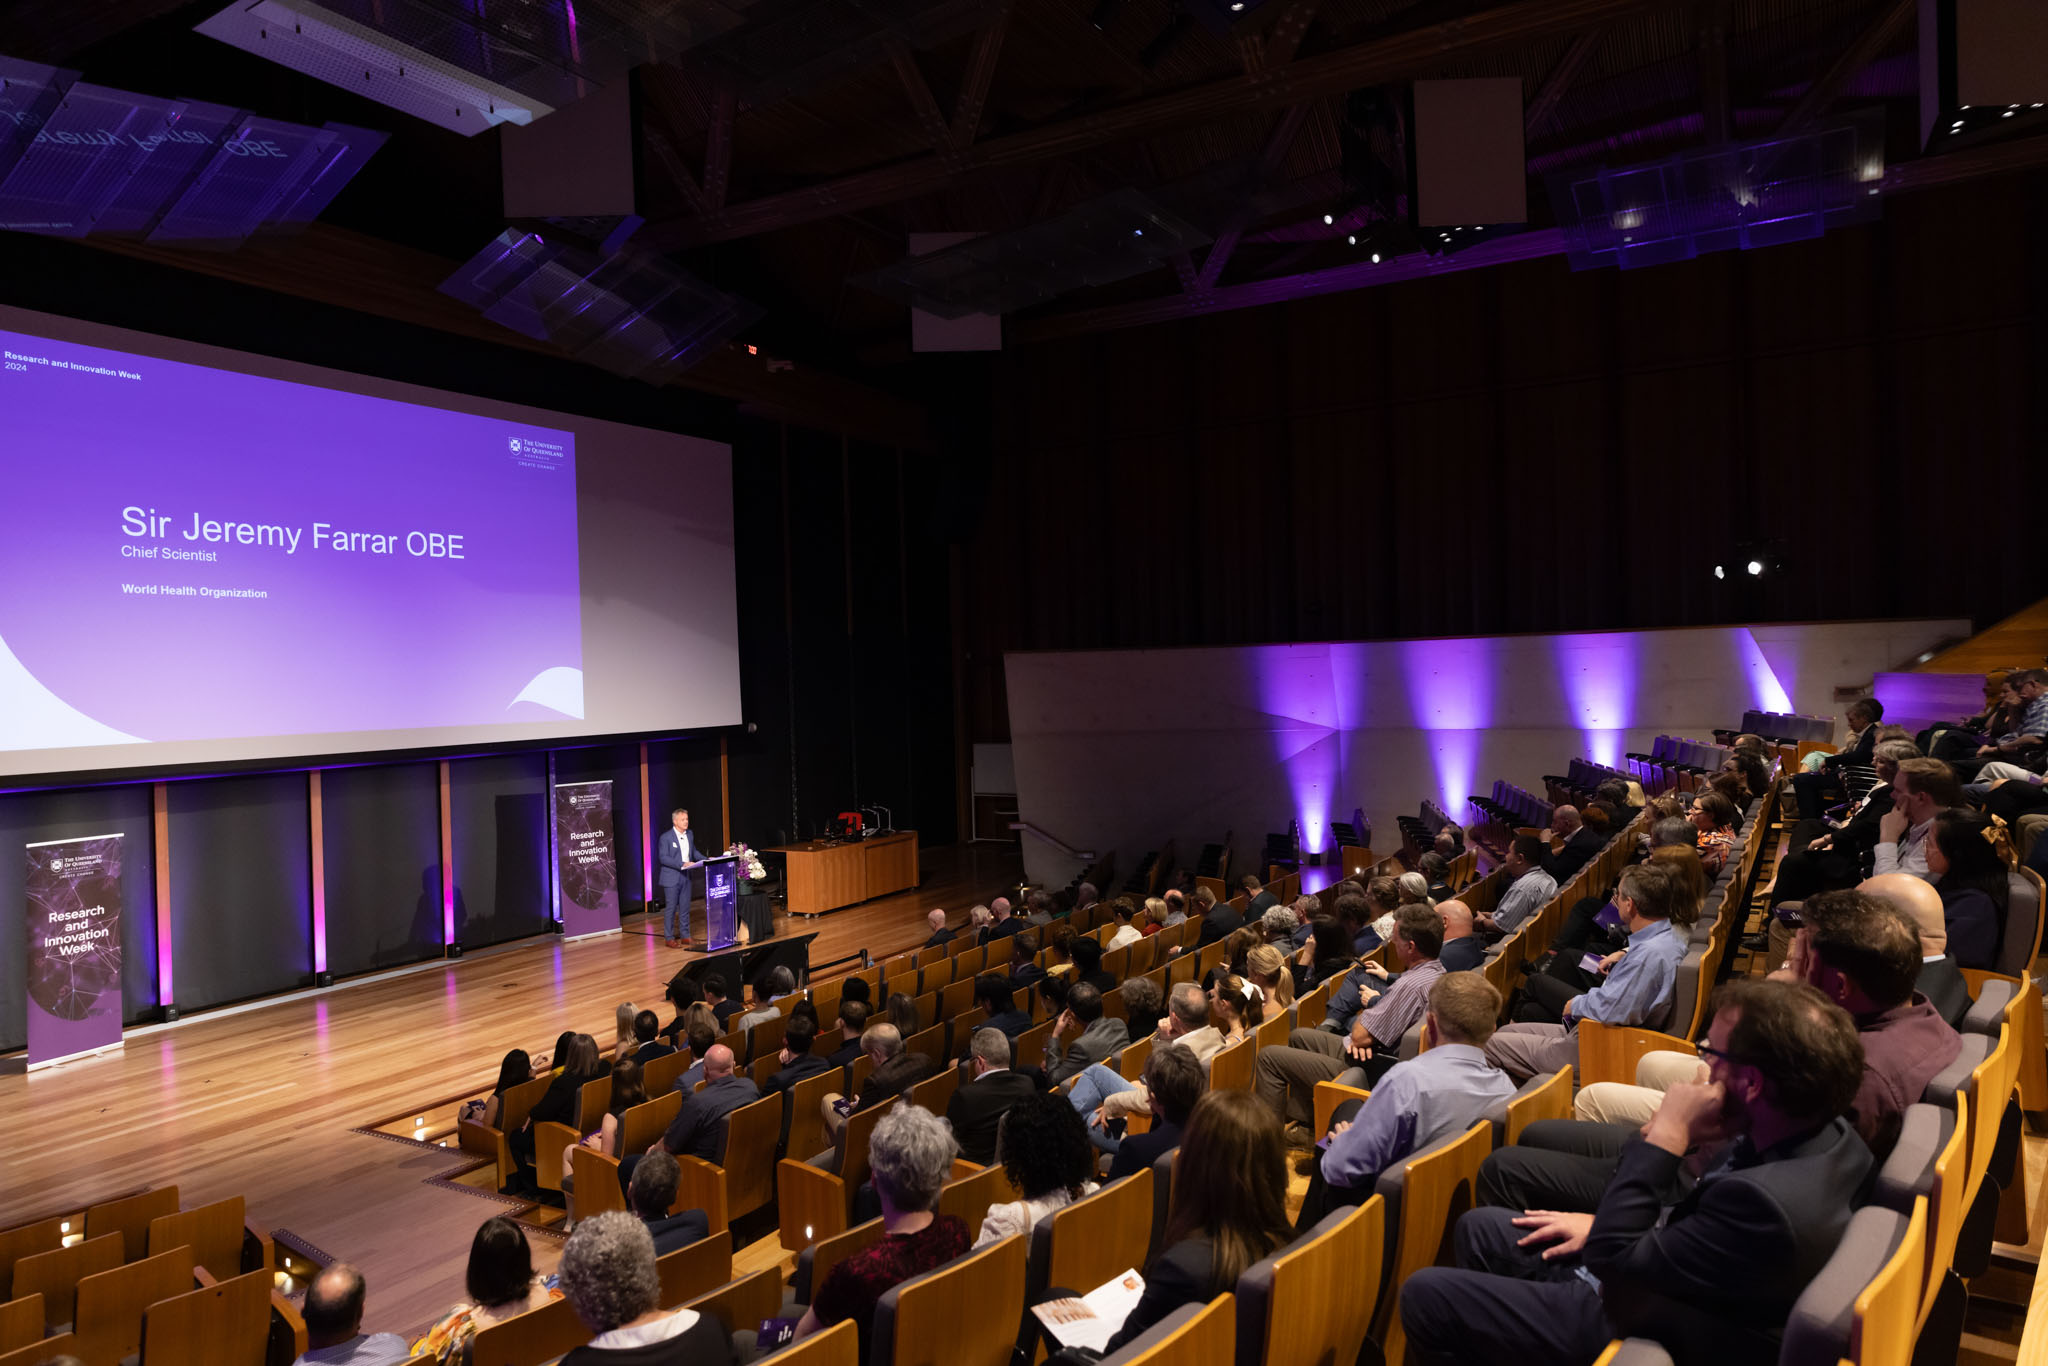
(515, 445)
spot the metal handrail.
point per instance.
(1085, 855)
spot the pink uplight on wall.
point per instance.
(1597, 674)
(1450, 697)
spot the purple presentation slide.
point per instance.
(193, 553)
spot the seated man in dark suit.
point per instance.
(853, 1021)
(1259, 900)
(1711, 1276)
(722, 1005)
(647, 1036)
(940, 934)
(1220, 918)
(978, 1106)
(797, 1058)
(1003, 923)
(1094, 1035)
(698, 1130)
(1174, 1081)
(1024, 969)
(1463, 950)
(1939, 980)
(1580, 844)
(895, 1072)
(992, 990)
(700, 1038)
(651, 1194)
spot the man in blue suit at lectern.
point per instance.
(678, 852)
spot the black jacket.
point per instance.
(1179, 1275)
(698, 1129)
(678, 1230)
(1578, 851)
(1713, 1277)
(896, 1076)
(1941, 982)
(941, 937)
(978, 1106)
(1139, 1151)
(1219, 923)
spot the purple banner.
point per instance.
(289, 559)
(584, 864)
(74, 947)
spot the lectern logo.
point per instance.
(515, 445)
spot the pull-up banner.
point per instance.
(587, 875)
(74, 948)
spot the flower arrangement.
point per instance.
(750, 863)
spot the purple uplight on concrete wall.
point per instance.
(1766, 691)
(1295, 691)
(1450, 697)
(1598, 676)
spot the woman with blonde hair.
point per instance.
(1266, 965)
(1154, 918)
(627, 1044)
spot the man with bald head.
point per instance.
(1940, 980)
(1004, 924)
(940, 934)
(699, 1127)
(1581, 842)
(1462, 951)
(334, 1323)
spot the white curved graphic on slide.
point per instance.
(558, 689)
(33, 717)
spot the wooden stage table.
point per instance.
(824, 876)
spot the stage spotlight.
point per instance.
(1353, 240)
(1375, 258)
(1329, 219)
(1755, 567)
(1719, 572)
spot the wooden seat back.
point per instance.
(968, 1198)
(1189, 1336)
(36, 1353)
(659, 1076)
(763, 1068)
(22, 1322)
(930, 1041)
(751, 1135)
(693, 1270)
(838, 1345)
(226, 1324)
(815, 1264)
(956, 996)
(528, 1339)
(649, 1120)
(1230, 1069)
(517, 1103)
(920, 1322)
(810, 1203)
(1551, 1100)
(1101, 1235)
(130, 1217)
(25, 1240)
(960, 1031)
(1273, 1032)
(1319, 1300)
(1990, 1085)
(926, 1004)
(1439, 1188)
(55, 1274)
(1028, 1048)
(1310, 1009)
(853, 1142)
(935, 1092)
(807, 1113)
(702, 1186)
(1130, 1063)
(215, 1234)
(111, 1304)
(1945, 1209)
(593, 1101)
(597, 1182)
(1887, 1309)
(745, 1302)
(764, 1040)
(1611, 1052)
(1328, 1096)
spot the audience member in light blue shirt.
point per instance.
(1439, 1094)
(1530, 891)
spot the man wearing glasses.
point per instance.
(1711, 1272)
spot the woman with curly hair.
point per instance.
(1042, 1143)
(1968, 854)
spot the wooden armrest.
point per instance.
(484, 1141)
(962, 1167)
(549, 1141)
(811, 1203)
(259, 1250)
(203, 1279)
(1330, 1095)
(287, 1331)
(1611, 1052)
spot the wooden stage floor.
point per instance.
(275, 1102)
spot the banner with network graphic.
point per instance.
(74, 948)
(585, 868)
(721, 902)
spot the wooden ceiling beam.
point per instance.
(1861, 50)
(1544, 103)
(936, 130)
(1271, 155)
(1428, 48)
(974, 83)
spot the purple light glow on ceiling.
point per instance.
(1766, 691)
(1450, 698)
(1598, 674)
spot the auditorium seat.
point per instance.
(838, 1345)
(1328, 1096)
(935, 1092)
(967, 1198)
(922, 1319)
(1424, 1194)
(1860, 1308)
(743, 1303)
(222, 1323)
(1928, 1161)
(22, 1321)
(37, 1353)
(551, 1139)
(748, 1155)
(1312, 1302)
(130, 1217)
(806, 1122)
(1539, 1098)
(597, 1184)
(1083, 1244)
(1230, 1069)
(702, 1185)
(1611, 1052)
(815, 1262)
(659, 1076)
(1192, 1335)
(110, 1305)
(529, 1339)
(25, 1240)
(55, 1274)
(691, 1271)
